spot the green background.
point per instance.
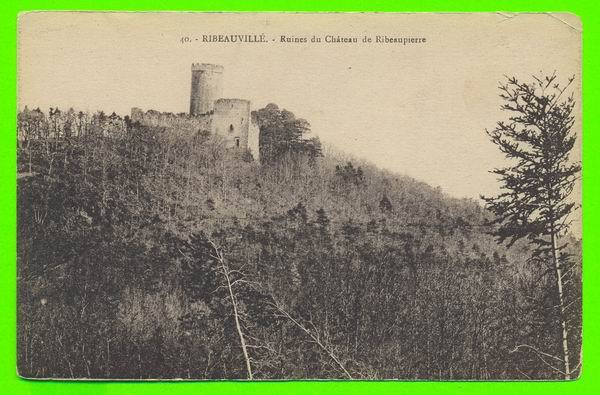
(588, 382)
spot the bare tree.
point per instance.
(226, 272)
(314, 337)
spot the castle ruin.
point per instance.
(231, 119)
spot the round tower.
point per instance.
(206, 87)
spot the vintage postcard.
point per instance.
(291, 196)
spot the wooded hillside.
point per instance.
(147, 253)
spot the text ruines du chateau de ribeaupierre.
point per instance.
(397, 39)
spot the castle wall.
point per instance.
(182, 122)
(229, 118)
(253, 136)
(207, 86)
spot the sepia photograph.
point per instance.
(299, 196)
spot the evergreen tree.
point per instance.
(282, 133)
(385, 205)
(535, 202)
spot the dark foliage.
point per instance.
(281, 134)
(336, 270)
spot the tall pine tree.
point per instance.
(535, 200)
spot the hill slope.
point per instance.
(135, 247)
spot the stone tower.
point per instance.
(207, 86)
(231, 119)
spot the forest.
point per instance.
(152, 253)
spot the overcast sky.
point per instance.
(417, 109)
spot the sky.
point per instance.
(416, 109)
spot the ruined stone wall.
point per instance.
(180, 122)
(253, 136)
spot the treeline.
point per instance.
(145, 253)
